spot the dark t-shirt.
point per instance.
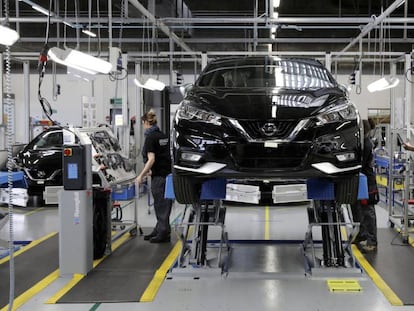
(158, 143)
(368, 162)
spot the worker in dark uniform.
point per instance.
(156, 155)
(364, 210)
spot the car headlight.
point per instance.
(189, 112)
(337, 113)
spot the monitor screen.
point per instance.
(72, 170)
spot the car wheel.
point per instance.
(186, 190)
(346, 190)
(100, 227)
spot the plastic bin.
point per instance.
(123, 193)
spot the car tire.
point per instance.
(100, 225)
(186, 189)
(346, 190)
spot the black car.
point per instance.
(41, 161)
(266, 118)
(41, 158)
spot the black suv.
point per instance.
(266, 118)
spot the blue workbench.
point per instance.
(19, 180)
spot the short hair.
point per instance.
(150, 117)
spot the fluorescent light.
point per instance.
(276, 3)
(78, 60)
(89, 33)
(41, 10)
(150, 84)
(68, 24)
(79, 74)
(8, 36)
(155, 84)
(37, 7)
(383, 84)
(59, 56)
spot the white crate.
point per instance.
(289, 193)
(51, 194)
(243, 193)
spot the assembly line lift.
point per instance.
(335, 220)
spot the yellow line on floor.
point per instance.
(267, 224)
(33, 291)
(27, 247)
(377, 279)
(159, 276)
(78, 277)
(34, 211)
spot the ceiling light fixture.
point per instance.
(41, 10)
(37, 7)
(89, 33)
(8, 36)
(383, 83)
(151, 84)
(78, 60)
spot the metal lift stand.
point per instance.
(336, 256)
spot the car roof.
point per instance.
(246, 60)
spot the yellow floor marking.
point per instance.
(411, 241)
(34, 290)
(345, 285)
(29, 246)
(267, 224)
(377, 279)
(344, 233)
(78, 277)
(159, 276)
(23, 211)
(34, 211)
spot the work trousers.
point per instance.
(162, 206)
(366, 216)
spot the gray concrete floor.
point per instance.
(270, 281)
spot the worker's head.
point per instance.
(149, 117)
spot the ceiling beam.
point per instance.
(372, 25)
(224, 20)
(164, 28)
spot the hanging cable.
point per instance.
(122, 23)
(98, 13)
(10, 131)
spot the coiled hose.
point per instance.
(9, 111)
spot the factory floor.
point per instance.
(266, 270)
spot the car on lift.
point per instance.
(266, 118)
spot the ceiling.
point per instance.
(185, 28)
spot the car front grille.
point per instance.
(268, 129)
(256, 156)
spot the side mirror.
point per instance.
(344, 89)
(184, 89)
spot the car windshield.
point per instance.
(277, 73)
(47, 140)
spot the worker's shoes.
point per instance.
(358, 240)
(151, 235)
(160, 239)
(368, 248)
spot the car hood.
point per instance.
(262, 103)
(41, 156)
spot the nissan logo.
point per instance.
(269, 129)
